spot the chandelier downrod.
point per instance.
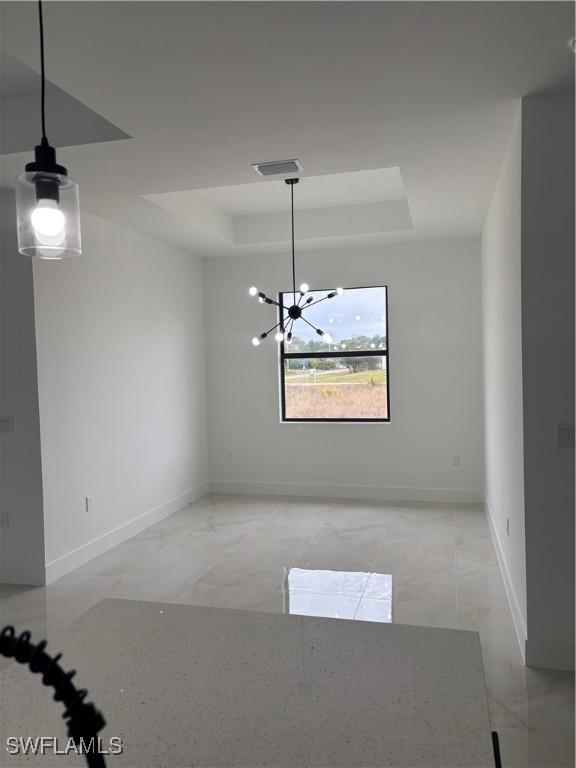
(289, 315)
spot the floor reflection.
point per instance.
(338, 594)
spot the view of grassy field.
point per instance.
(343, 376)
(338, 394)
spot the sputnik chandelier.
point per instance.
(301, 301)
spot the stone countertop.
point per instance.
(194, 686)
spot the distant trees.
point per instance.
(356, 343)
(354, 364)
(363, 363)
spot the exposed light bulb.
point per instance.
(289, 339)
(339, 291)
(304, 287)
(50, 254)
(260, 299)
(253, 291)
(327, 338)
(47, 219)
(279, 336)
(256, 341)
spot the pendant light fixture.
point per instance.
(300, 300)
(48, 213)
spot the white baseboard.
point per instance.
(518, 619)
(77, 557)
(347, 491)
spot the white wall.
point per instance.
(528, 316)
(121, 389)
(548, 373)
(21, 518)
(503, 404)
(435, 373)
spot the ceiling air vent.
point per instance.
(278, 167)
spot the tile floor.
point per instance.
(235, 552)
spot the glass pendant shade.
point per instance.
(48, 215)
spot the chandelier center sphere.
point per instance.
(294, 312)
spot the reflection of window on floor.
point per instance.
(338, 594)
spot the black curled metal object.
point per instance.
(84, 721)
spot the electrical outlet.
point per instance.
(565, 434)
(456, 460)
(88, 503)
(507, 526)
(7, 424)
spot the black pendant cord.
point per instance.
(293, 249)
(42, 73)
(83, 719)
(298, 307)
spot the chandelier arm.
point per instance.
(313, 303)
(273, 328)
(267, 299)
(310, 324)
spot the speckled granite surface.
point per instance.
(195, 686)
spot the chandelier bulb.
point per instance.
(340, 291)
(256, 341)
(279, 336)
(304, 288)
(253, 291)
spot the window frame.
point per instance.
(283, 356)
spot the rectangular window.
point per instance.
(345, 379)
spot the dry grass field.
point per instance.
(360, 400)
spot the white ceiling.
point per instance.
(71, 121)
(205, 89)
(378, 185)
(342, 206)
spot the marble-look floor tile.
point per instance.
(481, 587)
(329, 549)
(421, 614)
(412, 561)
(522, 748)
(234, 552)
(426, 526)
(358, 519)
(243, 598)
(438, 588)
